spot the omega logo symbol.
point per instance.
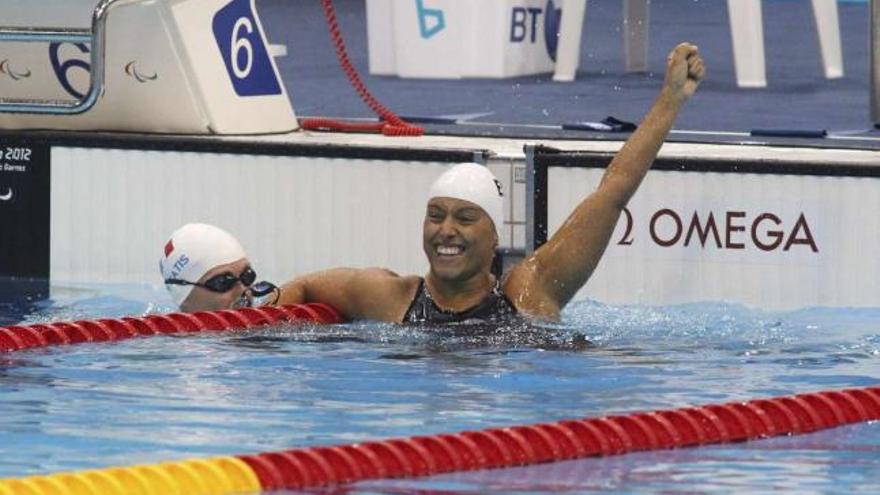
(730, 230)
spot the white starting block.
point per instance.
(165, 66)
(451, 39)
(746, 30)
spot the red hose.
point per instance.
(390, 125)
(16, 338)
(548, 442)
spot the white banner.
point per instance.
(771, 241)
(462, 38)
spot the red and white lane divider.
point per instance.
(470, 450)
(16, 338)
(420, 455)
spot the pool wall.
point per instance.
(772, 227)
(93, 211)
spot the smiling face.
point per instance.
(459, 239)
(202, 299)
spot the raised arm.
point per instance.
(547, 280)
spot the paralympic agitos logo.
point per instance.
(15, 75)
(728, 230)
(131, 70)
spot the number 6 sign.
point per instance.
(244, 53)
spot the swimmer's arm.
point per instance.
(358, 294)
(562, 266)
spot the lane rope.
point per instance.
(20, 337)
(470, 450)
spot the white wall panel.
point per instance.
(112, 211)
(840, 212)
(53, 13)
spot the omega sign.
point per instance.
(728, 230)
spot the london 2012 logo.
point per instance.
(244, 53)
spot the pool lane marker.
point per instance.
(16, 338)
(218, 475)
(470, 450)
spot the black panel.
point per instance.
(24, 220)
(541, 200)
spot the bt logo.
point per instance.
(524, 25)
(425, 15)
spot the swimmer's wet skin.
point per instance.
(460, 236)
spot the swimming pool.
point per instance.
(163, 398)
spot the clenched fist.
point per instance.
(684, 71)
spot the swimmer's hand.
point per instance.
(684, 71)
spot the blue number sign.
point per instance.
(244, 54)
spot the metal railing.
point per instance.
(96, 37)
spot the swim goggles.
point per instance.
(224, 282)
(220, 283)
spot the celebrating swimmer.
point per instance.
(460, 236)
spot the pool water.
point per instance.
(170, 397)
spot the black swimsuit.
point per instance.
(494, 307)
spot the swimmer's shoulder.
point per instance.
(385, 295)
(389, 283)
(387, 277)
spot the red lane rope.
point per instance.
(548, 442)
(16, 338)
(391, 124)
(481, 449)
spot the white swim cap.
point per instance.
(475, 183)
(192, 251)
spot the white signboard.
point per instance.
(771, 241)
(462, 38)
